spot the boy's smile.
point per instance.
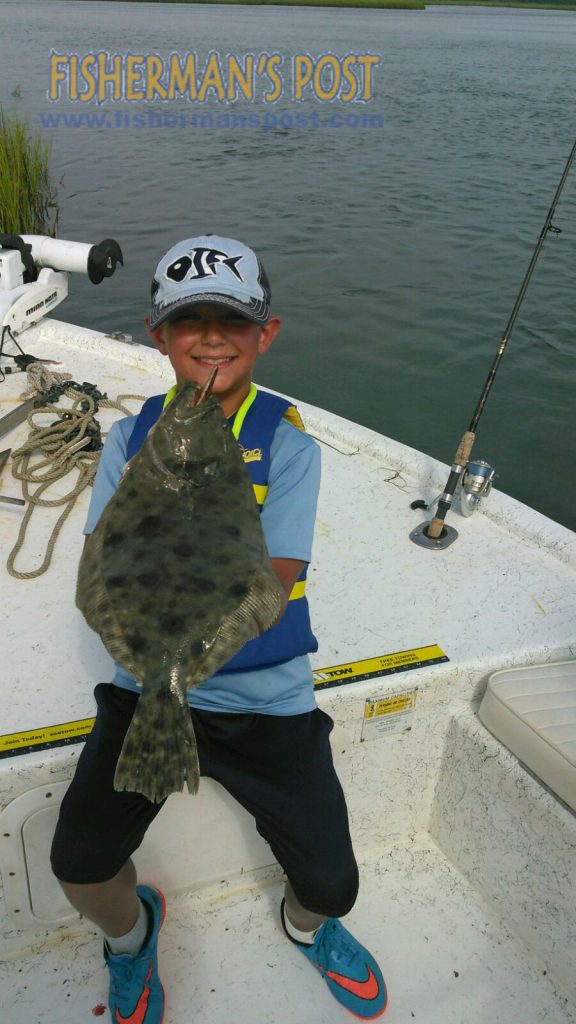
(210, 335)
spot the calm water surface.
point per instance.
(395, 253)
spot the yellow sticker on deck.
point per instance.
(389, 714)
(370, 668)
(390, 705)
(42, 739)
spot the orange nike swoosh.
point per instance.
(139, 1013)
(368, 989)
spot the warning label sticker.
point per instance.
(370, 668)
(42, 739)
(389, 714)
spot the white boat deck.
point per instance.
(468, 863)
(223, 957)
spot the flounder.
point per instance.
(176, 578)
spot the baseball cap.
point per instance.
(210, 268)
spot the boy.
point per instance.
(258, 729)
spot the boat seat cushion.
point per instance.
(532, 711)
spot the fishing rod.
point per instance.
(435, 534)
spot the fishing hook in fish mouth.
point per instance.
(200, 396)
(206, 391)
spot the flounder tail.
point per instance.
(159, 752)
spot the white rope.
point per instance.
(70, 443)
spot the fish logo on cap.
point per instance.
(204, 263)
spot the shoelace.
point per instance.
(121, 975)
(345, 953)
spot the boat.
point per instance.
(450, 675)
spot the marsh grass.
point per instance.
(28, 200)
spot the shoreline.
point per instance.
(399, 5)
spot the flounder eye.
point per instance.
(189, 467)
(184, 466)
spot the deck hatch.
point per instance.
(33, 896)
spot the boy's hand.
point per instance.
(287, 571)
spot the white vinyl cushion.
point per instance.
(532, 711)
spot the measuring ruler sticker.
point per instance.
(45, 738)
(389, 714)
(371, 668)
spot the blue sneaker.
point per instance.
(351, 973)
(136, 993)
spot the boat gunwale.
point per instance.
(504, 511)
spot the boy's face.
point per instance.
(209, 335)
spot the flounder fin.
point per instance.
(96, 608)
(257, 612)
(262, 604)
(89, 579)
(93, 600)
(159, 752)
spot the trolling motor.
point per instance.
(474, 479)
(34, 274)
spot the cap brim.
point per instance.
(257, 311)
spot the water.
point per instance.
(395, 253)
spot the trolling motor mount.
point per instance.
(34, 274)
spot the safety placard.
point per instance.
(370, 668)
(44, 738)
(392, 713)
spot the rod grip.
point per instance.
(462, 457)
(435, 527)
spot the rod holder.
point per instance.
(420, 537)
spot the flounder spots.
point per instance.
(138, 643)
(184, 549)
(239, 590)
(230, 530)
(148, 579)
(117, 582)
(149, 527)
(171, 622)
(202, 585)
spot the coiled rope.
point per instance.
(71, 442)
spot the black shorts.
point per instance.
(278, 767)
